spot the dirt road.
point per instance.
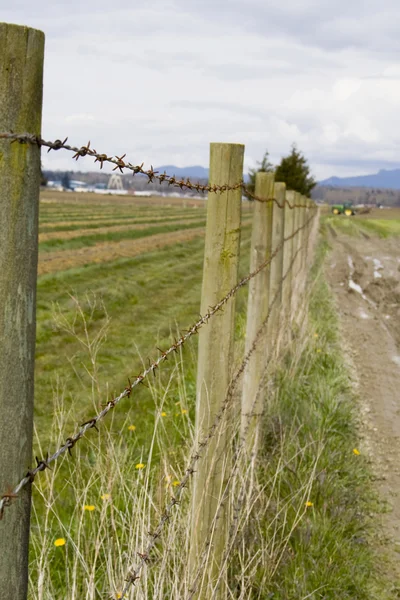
(365, 276)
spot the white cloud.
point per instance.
(160, 81)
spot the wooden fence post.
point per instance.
(257, 310)
(288, 257)
(297, 262)
(303, 243)
(21, 76)
(215, 361)
(276, 268)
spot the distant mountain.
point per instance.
(195, 172)
(382, 179)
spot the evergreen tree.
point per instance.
(295, 172)
(264, 166)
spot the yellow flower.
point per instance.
(319, 350)
(105, 496)
(308, 504)
(132, 427)
(140, 466)
(175, 483)
(184, 411)
(89, 507)
(356, 452)
(315, 335)
(163, 414)
(118, 596)
(59, 542)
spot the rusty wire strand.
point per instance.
(134, 573)
(228, 399)
(42, 464)
(151, 174)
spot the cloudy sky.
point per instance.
(160, 80)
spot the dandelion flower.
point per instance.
(59, 542)
(118, 596)
(132, 427)
(89, 507)
(176, 483)
(105, 496)
(140, 466)
(308, 504)
(184, 411)
(356, 452)
(163, 414)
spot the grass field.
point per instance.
(134, 303)
(303, 530)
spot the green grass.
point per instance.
(112, 221)
(114, 236)
(354, 226)
(146, 297)
(325, 550)
(97, 325)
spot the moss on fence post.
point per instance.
(215, 363)
(257, 310)
(21, 76)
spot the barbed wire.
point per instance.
(144, 557)
(243, 440)
(282, 205)
(7, 497)
(151, 174)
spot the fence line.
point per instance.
(151, 174)
(222, 253)
(8, 496)
(133, 574)
(243, 443)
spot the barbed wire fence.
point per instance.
(284, 231)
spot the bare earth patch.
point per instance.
(365, 277)
(111, 218)
(61, 260)
(76, 233)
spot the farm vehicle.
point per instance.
(343, 209)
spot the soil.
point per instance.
(77, 233)
(365, 276)
(60, 260)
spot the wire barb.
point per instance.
(92, 423)
(151, 174)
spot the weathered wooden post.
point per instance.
(303, 245)
(296, 264)
(288, 257)
(215, 360)
(276, 268)
(21, 76)
(257, 310)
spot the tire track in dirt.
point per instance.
(365, 278)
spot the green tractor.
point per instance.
(343, 209)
